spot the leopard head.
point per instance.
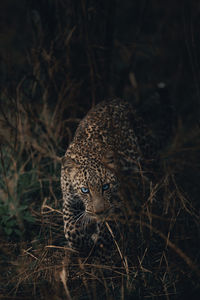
(93, 181)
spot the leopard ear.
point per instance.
(67, 163)
(109, 160)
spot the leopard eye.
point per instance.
(105, 187)
(84, 190)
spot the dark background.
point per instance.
(121, 48)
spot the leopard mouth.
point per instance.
(99, 216)
(89, 213)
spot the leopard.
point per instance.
(111, 146)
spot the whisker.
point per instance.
(79, 216)
(86, 219)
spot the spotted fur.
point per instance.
(110, 143)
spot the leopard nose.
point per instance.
(98, 212)
(98, 206)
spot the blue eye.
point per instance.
(84, 190)
(105, 187)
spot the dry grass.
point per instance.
(156, 259)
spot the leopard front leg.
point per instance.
(79, 229)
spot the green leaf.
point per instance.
(8, 230)
(29, 218)
(22, 207)
(18, 232)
